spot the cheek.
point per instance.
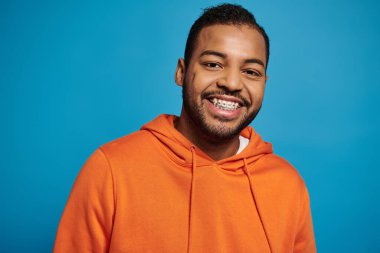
(203, 80)
(256, 94)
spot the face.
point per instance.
(223, 85)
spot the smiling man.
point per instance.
(223, 86)
(201, 182)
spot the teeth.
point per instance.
(225, 105)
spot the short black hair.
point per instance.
(224, 14)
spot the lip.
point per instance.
(227, 98)
(223, 114)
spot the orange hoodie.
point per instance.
(154, 191)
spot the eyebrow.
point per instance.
(255, 60)
(216, 53)
(222, 55)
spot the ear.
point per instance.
(180, 72)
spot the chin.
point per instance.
(221, 130)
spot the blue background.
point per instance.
(77, 74)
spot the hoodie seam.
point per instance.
(102, 151)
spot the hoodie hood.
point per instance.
(181, 150)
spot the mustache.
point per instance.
(237, 95)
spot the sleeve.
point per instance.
(87, 220)
(305, 242)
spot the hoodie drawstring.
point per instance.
(194, 165)
(245, 168)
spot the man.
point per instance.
(201, 182)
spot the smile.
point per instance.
(225, 105)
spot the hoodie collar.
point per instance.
(181, 150)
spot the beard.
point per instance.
(215, 132)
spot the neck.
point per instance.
(217, 150)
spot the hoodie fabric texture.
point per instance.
(154, 191)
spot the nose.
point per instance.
(230, 80)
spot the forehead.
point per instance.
(233, 40)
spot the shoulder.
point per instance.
(279, 171)
(131, 151)
(128, 143)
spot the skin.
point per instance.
(228, 63)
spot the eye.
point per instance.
(252, 73)
(212, 65)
